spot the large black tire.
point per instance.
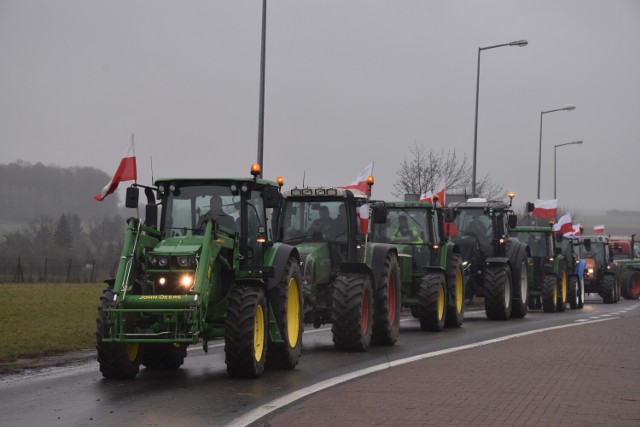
(386, 319)
(561, 305)
(455, 292)
(520, 303)
(608, 289)
(497, 292)
(573, 290)
(550, 293)
(581, 294)
(245, 335)
(165, 357)
(117, 361)
(352, 312)
(286, 302)
(630, 285)
(432, 302)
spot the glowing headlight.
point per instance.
(186, 280)
(162, 281)
(590, 270)
(186, 261)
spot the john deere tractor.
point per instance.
(347, 281)
(627, 265)
(204, 270)
(430, 265)
(495, 262)
(548, 271)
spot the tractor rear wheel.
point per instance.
(521, 291)
(352, 312)
(497, 292)
(630, 285)
(573, 290)
(386, 318)
(608, 289)
(550, 293)
(562, 290)
(117, 361)
(166, 357)
(286, 302)
(245, 335)
(455, 289)
(432, 297)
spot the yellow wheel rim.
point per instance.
(440, 302)
(293, 312)
(132, 351)
(258, 333)
(459, 291)
(564, 286)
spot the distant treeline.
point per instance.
(615, 212)
(30, 191)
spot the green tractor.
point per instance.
(627, 265)
(430, 265)
(206, 270)
(347, 281)
(494, 262)
(548, 269)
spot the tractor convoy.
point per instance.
(241, 260)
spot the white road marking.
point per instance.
(287, 399)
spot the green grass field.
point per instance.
(44, 318)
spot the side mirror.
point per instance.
(271, 197)
(379, 214)
(131, 199)
(512, 222)
(529, 206)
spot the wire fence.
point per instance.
(29, 269)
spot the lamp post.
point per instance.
(261, 107)
(565, 108)
(520, 43)
(555, 148)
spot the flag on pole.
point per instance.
(363, 214)
(360, 182)
(564, 224)
(599, 228)
(426, 197)
(126, 171)
(576, 230)
(545, 208)
(440, 190)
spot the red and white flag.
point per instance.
(126, 171)
(363, 214)
(426, 197)
(576, 230)
(440, 190)
(564, 224)
(599, 228)
(361, 181)
(545, 208)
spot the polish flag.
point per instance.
(126, 171)
(361, 181)
(440, 190)
(545, 208)
(599, 228)
(576, 230)
(426, 197)
(363, 214)
(564, 224)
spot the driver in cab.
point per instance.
(405, 232)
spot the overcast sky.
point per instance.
(348, 82)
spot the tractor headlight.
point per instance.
(163, 261)
(186, 261)
(186, 280)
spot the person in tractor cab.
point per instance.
(217, 214)
(477, 228)
(406, 233)
(338, 228)
(322, 224)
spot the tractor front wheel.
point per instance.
(245, 335)
(286, 301)
(117, 361)
(432, 301)
(455, 289)
(521, 291)
(562, 290)
(352, 314)
(386, 319)
(573, 290)
(630, 285)
(497, 292)
(550, 293)
(608, 289)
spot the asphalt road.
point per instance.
(200, 393)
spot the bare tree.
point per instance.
(423, 168)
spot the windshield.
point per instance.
(473, 222)
(596, 251)
(539, 243)
(315, 220)
(404, 225)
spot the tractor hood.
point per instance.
(315, 262)
(182, 245)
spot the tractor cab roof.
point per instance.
(212, 181)
(478, 203)
(406, 204)
(333, 192)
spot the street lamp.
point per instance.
(565, 108)
(520, 43)
(261, 102)
(555, 148)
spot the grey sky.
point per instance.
(348, 82)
